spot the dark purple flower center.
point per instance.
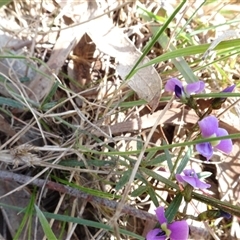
(162, 233)
(178, 91)
(225, 214)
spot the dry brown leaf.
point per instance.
(41, 85)
(82, 58)
(112, 41)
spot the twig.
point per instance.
(10, 176)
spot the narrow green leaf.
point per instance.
(168, 157)
(157, 161)
(4, 2)
(11, 103)
(45, 225)
(173, 207)
(153, 196)
(204, 174)
(49, 96)
(139, 191)
(180, 63)
(123, 180)
(90, 191)
(26, 218)
(184, 161)
(78, 220)
(181, 144)
(159, 178)
(150, 155)
(192, 50)
(225, 206)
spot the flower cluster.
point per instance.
(189, 179)
(175, 230)
(208, 125)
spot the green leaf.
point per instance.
(159, 178)
(156, 161)
(173, 207)
(123, 180)
(192, 50)
(153, 196)
(90, 191)
(11, 103)
(26, 218)
(47, 99)
(139, 191)
(180, 63)
(204, 175)
(225, 206)
(168, 157)
(185, 160)
(4, 2)
(80, 221)
(45, 225)
(150, 155)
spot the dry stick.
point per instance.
(10, 176)
(121, 204)
(33, 178)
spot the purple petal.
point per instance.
(208, 126)
(202, 185)
(179, 178)
(229, 89)
(171, 83)
(205, 149)
(195, 182)
(225, 145)
(179, 230)
(190, 173)
(195, 87)
(160, 215)
(153, 235)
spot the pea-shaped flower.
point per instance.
(174, 231)
(190, 177)
(175, 85)
(209, 128)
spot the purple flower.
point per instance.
(175, 85)
(190, 177)
(209, 128)
(229, 89)
(177, 230)
(217, 102)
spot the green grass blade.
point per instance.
(180, 63)
(78, 220)
(11, 103)
(232, 45)
(26, 218)
(45, 225)
(155, 38)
